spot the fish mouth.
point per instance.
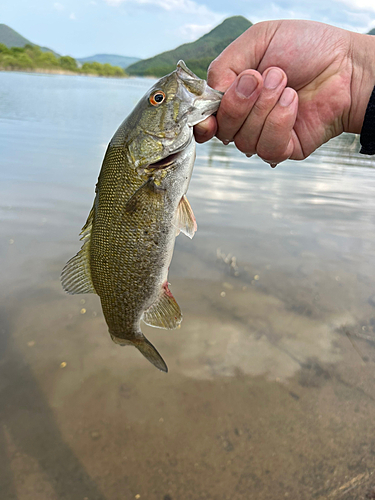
(170, 159)
(164, 162)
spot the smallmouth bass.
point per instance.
(140, 206)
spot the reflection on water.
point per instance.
(270, 392)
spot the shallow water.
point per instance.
(270, 391)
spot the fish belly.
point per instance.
(131, 250)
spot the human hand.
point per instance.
(330, 75)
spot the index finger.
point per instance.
(233, 110)
(246, 52)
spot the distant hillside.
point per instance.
(197, 55)
(113, 59)
(372, 32)
(10, 38)
(32, 58)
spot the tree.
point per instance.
(4, 49)
(68, 63)
(47, 60)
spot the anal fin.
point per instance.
(165, 312)
(185, 219)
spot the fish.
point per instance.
(140, 207)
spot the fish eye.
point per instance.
(157, 98)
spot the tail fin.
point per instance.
(146, 348)
(150, 353)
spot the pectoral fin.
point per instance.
(165, 312)
(185, 219)
(147, 196)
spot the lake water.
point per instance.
(271, 386)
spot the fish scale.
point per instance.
(139, 208)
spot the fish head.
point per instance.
(162, 123)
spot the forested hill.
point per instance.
(17, 53)
(10, 38)
(113, 59)
(31, 58)
(197, 55)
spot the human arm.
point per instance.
(330, 75)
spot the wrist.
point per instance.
(363, 80)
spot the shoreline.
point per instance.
(52, 71)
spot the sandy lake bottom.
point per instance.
(271, 386)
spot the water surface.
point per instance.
(270, 391)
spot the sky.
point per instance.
(143, 28)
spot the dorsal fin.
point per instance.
(76, 275)
(86, 230)
(185, 219)
(165, 312)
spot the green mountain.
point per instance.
(10, 38)
(372, 32)
(31, 58)
(113, 59)
(197, 55)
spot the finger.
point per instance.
(246, 52)
(237, 103)
(277, 141)
(220, 76)
(247, 137)
(204, 131)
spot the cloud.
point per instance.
(186, 10)
(58, 6)
(194, 31)
(366, 5)
(185, 6)
(72, 16)
(355, 15)
(360, 14)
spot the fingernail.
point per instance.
(246, 85)
(286, 97)
(249, 155)
(273, 79)
(226, 142)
